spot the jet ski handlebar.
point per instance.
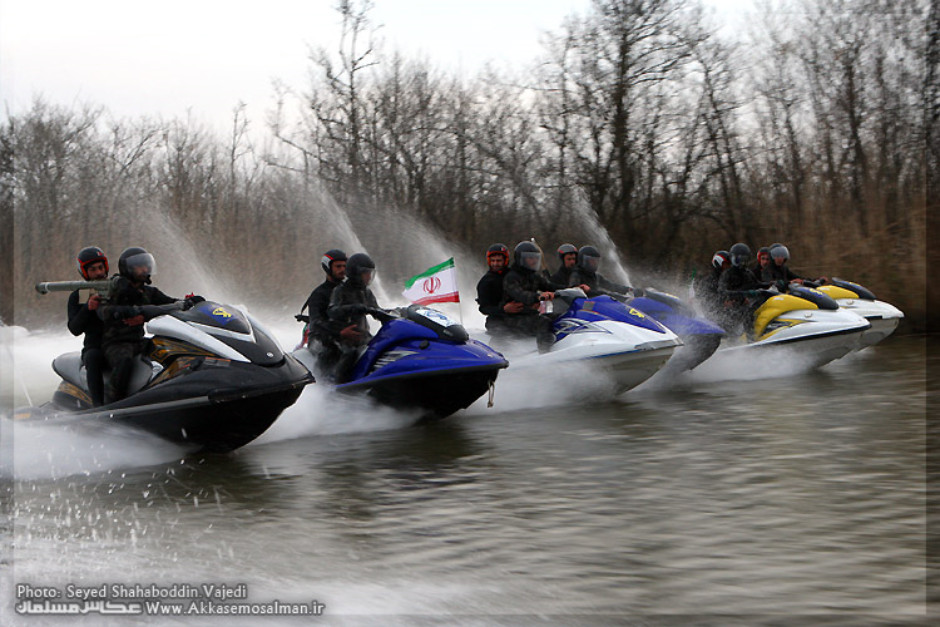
(149, 312)
(570, 293)
(383, 315)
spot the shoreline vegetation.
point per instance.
(639, 124)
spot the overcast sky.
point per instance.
(174, 57)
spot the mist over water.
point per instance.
(320, 411)
(54, 452)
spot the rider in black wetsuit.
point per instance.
(777, 272)
(585, 275)
(323, 335)
(568, 255)
(83, 318)
(350, 303)
(738, 288)
(490, 290)
(524, 283)
(123, 338)
(706, 286)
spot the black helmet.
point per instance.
(326, 261)
(498, 249)
(566, 249)
(88, 256)
(136, 257)
(358, 265)
(740, 255)
(527, 255)
(779, 251)
(720, 259)
(589, 258)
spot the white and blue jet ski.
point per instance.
(616, 342)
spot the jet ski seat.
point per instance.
(70, 367)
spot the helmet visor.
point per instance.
(141, 265)
(530, 260)
(367, 275)
(780, 252)
(591, 263)
(739, 259)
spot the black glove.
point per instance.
(380, 314)
(192, 300)
(149, 312)
(638, 291)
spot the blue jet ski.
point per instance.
(624, 344)
(420, 359)
(700, 337)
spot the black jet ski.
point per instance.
(420, 360)
(211, 378)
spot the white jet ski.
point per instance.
(804, 325)
(620, 344)
(884, 317)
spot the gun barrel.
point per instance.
(69, 286)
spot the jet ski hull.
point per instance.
(623, 345)
(623, 369)
(884, 317)
(695, 350)
(700, 337)
(814, 339)
(435, 395)
(629, 370)
(218, 409)
(880, 329)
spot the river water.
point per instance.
(721, 498)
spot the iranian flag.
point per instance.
(434, 285)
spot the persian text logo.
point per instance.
(97, 606)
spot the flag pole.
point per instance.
(457, 283)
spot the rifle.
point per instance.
(104, 288)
